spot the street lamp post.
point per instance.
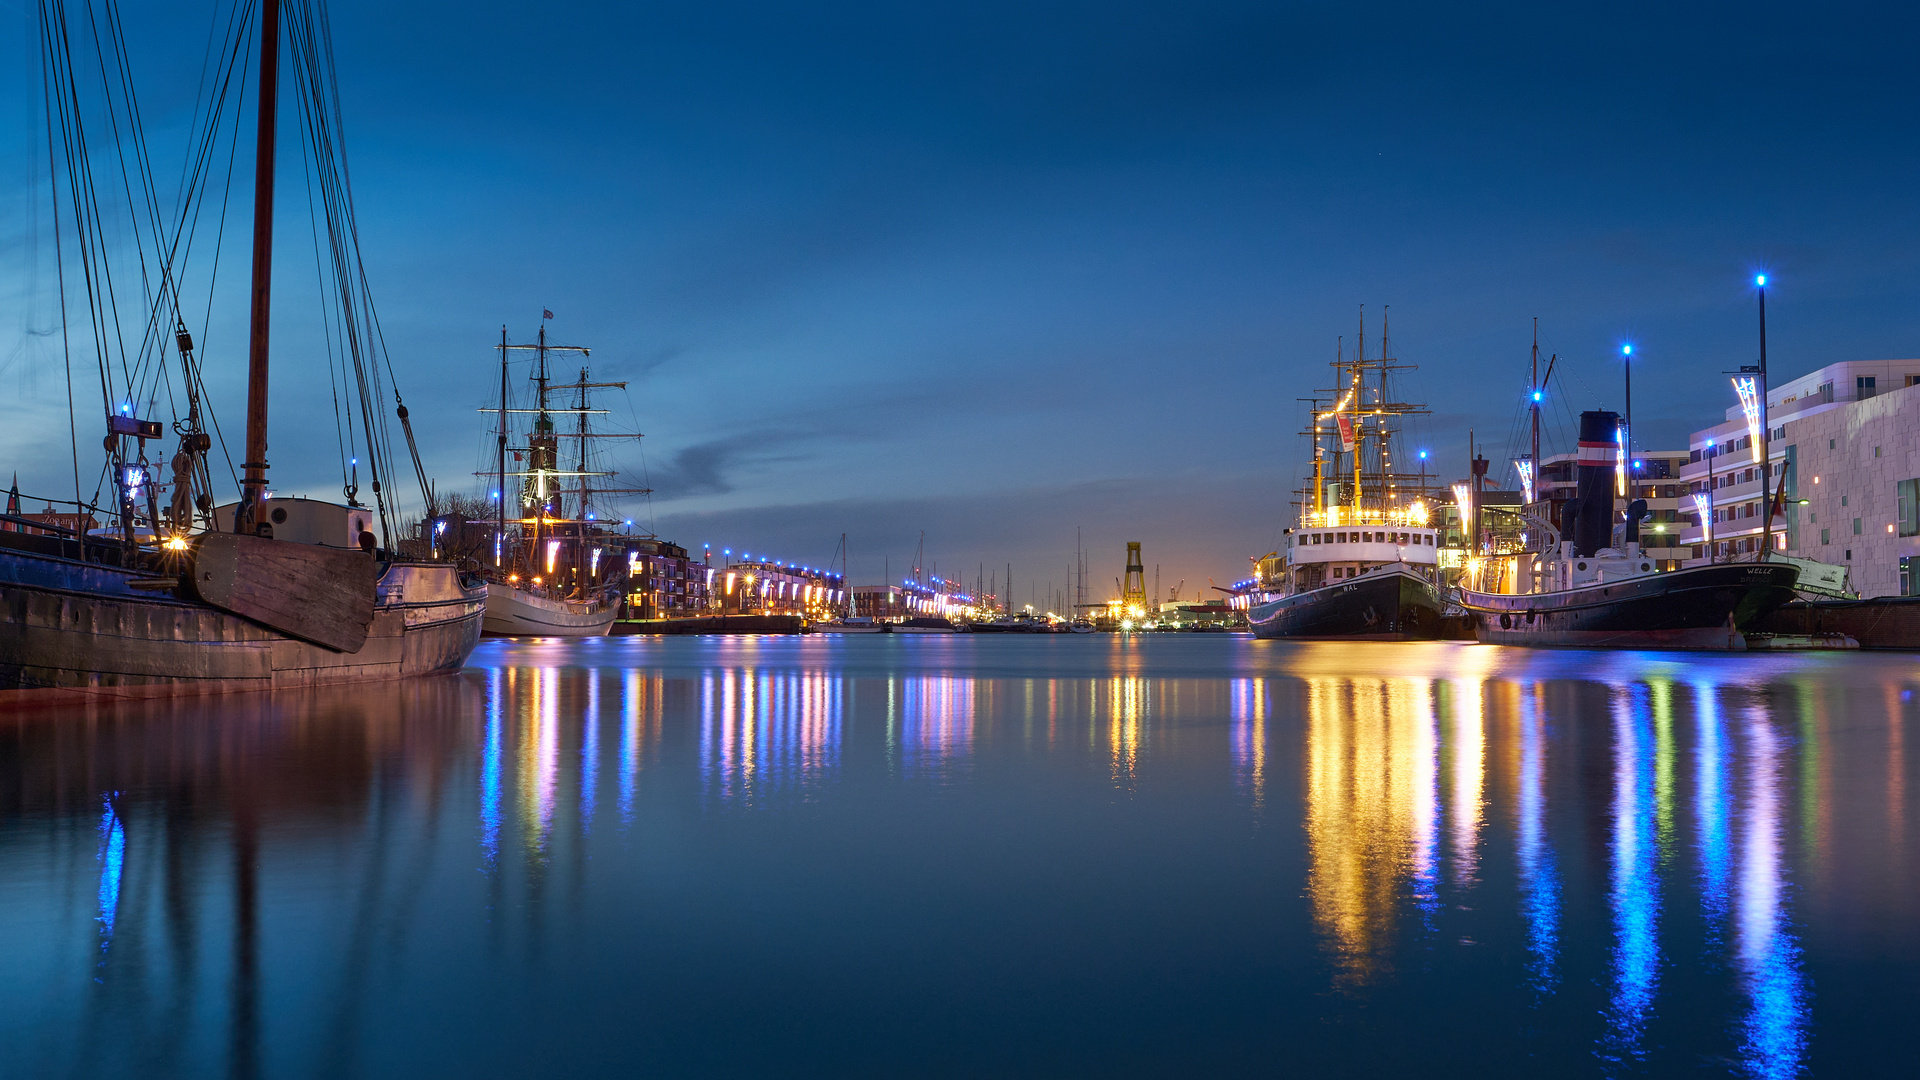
(1766, 431)
(1626, 357)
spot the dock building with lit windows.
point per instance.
(767, 587)
(1845, 449)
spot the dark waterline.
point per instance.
(1171, 855)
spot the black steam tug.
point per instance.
(1577, 590)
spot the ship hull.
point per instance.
(1389, 605)
(75, 628)
(513, 613)
(1705, 607)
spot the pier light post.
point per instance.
(1766, 432)
(1626, 448)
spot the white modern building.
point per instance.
(1845, 449)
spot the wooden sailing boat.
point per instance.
(236, 607)
(549, 578)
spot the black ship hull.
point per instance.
(1385, 605)
(1705, 607)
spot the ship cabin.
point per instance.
(1324, 556)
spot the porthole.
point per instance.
(1646, 566)
(1581, 566)
(279, 516)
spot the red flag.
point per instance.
(1346, 433)
(546, 314)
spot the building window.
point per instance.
(1863, 387)
(1843, 500)
(1909, 507)
(1826, 536)
(1856, 526)
(1829, 444)
(1909, 572)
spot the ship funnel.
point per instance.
(1599, 453)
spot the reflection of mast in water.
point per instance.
(1539, 876)
(1774, 1028)
(1634, 895)
(1365, 801)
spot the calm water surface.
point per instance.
(1178, 855)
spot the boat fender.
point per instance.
(1529, 616)
(1506, 621)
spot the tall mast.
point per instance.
(253, 488)
(500, 494)
(542, 426)
(1359, 438)
(580, 515)
(1383, 451)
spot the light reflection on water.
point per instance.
(1591, 864)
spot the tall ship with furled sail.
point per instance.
(550, 576)
(1362, 562)
(148, 587)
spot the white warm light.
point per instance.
(1748, 389)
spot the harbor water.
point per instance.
(1071, 855)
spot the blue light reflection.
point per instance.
(1634, 895)
(1539, 872)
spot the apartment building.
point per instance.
(1845, 450)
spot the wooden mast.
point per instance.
(253, 488)
(500, 496)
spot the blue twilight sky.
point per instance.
(998, 271)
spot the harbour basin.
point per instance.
(1054, 855)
